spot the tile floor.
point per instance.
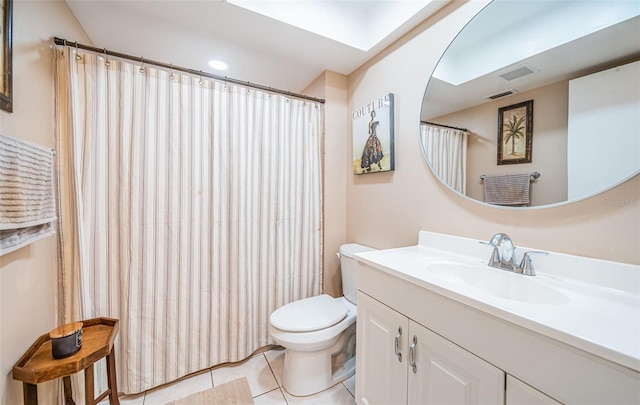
(263, 371)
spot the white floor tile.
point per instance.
(275, 358)
(180, 389)
(336, 395)
(350, 383)
(256, 370)
(274, 397)
(264, 374)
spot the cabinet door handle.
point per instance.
(396, 347)
(412, 354)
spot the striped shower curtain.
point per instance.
(446, 152)
(190, 209)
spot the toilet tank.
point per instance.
(349, 269)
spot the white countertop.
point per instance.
(601, 317)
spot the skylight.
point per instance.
(360, 24)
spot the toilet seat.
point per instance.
(309, 314)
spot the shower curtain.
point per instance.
(190, 209)
(446, 151)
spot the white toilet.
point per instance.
(319, 334)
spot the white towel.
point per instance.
(27, 204)
(510, 189)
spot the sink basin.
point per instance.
(496, 282)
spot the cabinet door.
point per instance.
(381, 374)
(444, 373)
(519, 393)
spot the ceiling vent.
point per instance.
(517, 73)
(503, 94)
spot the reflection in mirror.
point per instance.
(579, 63)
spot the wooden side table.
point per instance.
(38, 365)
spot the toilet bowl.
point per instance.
(318, 334)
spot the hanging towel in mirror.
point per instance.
(510, 189)
(27, 204)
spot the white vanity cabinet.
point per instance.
(447, 374)
(465, 353)
(519, 393)
(381, 354)
(402, 362)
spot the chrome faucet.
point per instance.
(504, 253)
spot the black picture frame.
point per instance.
(512, 120)
(6, 68)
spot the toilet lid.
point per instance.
(309, 314)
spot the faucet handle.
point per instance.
(526, 265)
(494, 261)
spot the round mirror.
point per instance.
(537, 103)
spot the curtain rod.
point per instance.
(444, 126)
(64, 42)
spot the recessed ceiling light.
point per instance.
(218, 64)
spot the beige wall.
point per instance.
(388, 209)
(28, 275)
(549, 156)
(333, 88)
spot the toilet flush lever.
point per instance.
(397, 344)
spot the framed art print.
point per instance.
(373, 136)
(515, 133)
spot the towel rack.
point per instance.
(533, 175)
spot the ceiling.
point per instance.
(560, 40)
(340, 35)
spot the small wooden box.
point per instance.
(66, 340)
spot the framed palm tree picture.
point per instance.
(515, 133)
